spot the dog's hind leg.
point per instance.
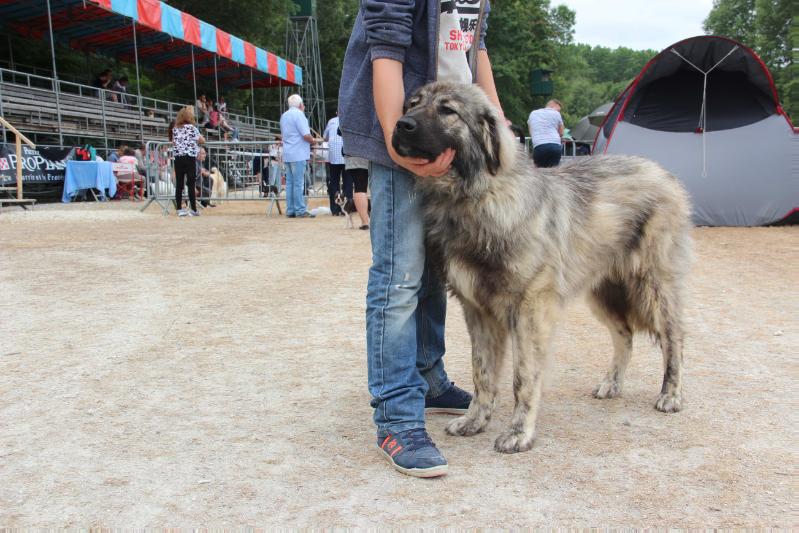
(670, 336)
(531, 331)
(489, 340)
(610, 303)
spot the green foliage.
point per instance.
(766, 27)
(523, 35)
(335, 20)
(262, 22)
(732, 18)
(527, 34)
(587, 77)
(520, 39)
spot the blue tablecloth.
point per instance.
(89, 175)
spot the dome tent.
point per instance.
(707, 110)
(587, 127)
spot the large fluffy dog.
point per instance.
(517, 243)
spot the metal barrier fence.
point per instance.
(232, 171)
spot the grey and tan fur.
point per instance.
(517, 243)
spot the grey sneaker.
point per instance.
(306, 215)
(183, 213)
(194, 213)
(413, 453)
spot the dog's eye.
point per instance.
(446, 110)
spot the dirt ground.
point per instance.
(157, 371)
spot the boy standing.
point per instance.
(396, 47)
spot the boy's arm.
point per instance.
(389, 95)
(485, 79)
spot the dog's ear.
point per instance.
(488, 126)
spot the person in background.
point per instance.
(128, 157)
(186, 141)
(335, 163)
(102, 82)
(297, 139)
(119, 90)
(546, 130)
(394, 49)
(357, 172)
(202, 109)
(142, 165)
(221, 106)
(261, 168)
(217, 121)
(113, 155)
(204, 185)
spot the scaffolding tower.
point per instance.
(302, 48)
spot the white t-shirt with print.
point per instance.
(457, 31)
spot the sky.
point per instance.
(637, 24)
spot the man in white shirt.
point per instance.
(335, 163)
(546, 130)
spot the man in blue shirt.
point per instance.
(297, 141)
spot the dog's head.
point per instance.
(340, 199)
(448, 115)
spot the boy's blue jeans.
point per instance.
(405, 307)
(295, 180)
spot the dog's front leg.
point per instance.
(531, 332)
(489, 338)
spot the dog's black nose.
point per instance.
(406, 125)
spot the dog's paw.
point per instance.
(514, 442)
(465, 426)
(607, 389)
(669, 402)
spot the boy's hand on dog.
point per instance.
(424, 167)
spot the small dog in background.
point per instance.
(347, 206)
(219, 185)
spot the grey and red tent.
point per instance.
(706, 108)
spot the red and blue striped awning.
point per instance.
(165, 38)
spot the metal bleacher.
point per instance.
(29, 100)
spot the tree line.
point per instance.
(523, 35)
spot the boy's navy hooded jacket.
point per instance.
(403, 30)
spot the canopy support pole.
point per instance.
(10, 52)
(138, 80)
(252, 97)
(193, 74)
(55, 75)
(216, 80)
(105, 125)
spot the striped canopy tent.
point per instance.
(153, 33)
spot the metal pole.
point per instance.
(2, 114)
(11, 52)
(252, 97)
(55, 75)
(19, 167)
(193, 74)
(138, 80)
(105, 127)
(216, 80)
